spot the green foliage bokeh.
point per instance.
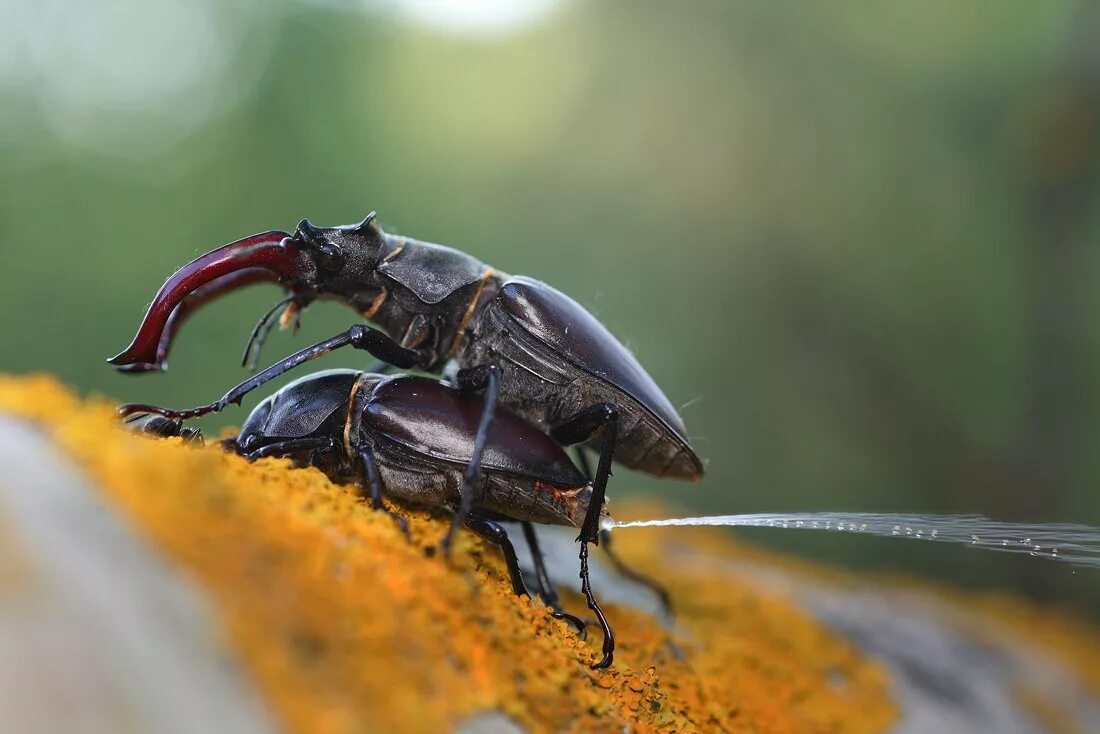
(856, 242)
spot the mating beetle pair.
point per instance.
(411, 439)
(524, 345)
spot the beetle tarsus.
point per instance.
(608, 634)
(546, 588)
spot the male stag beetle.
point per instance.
(524, 344)
(410, 438)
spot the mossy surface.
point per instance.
(347, 626)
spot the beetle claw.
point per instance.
(580, 625)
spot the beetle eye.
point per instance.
(330, 257)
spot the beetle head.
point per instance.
(343, 258)
(311, 262)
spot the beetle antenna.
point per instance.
(255, 344)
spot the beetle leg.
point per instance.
(158, 426)
(608, 634)
(616, 560)
(362, 337)
(498, 536)
(487, 378)
(621, 566)
(578, 429)
(546, 588)
(374, 485)
(292, 446)
(192, 436)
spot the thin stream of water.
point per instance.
(1070, 542)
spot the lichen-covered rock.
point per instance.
(343, 625)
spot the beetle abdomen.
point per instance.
(429, 482)
(440, 422)
(577, 348)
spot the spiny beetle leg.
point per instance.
(475, 379)
(546, 588)
(291, 447)
(374, 484)
(498, 536)
(362, 337)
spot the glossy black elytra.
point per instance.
(527, 346)
(410, 439)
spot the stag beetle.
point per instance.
(524, 344)
(410, 439)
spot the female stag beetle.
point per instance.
(524, 344)
(410, 438)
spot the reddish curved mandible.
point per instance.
(274, 252)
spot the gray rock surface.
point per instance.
(99, 633)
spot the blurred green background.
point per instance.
(856, 241)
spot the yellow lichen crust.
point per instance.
(347, 626)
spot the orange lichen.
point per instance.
(347, 626)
